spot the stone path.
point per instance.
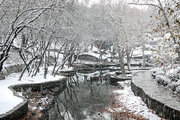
(160, 99)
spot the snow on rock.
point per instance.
(135, 104)
(95, 49)
(8, 101)
(137, 52)
(173, 72)
(169, 77)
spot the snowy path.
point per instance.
(8, 101)
(131, 105)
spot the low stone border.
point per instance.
(160, 108)
(21, 109)
(68, 73)
(17, 112)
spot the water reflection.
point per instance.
(85, 97)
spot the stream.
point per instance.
(85, 98)
(90, 96)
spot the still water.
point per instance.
(85, 98)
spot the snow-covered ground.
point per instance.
(133, 103)
(67, 69)
(138, 52)
(8, 101)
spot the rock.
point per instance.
(154, 74)
(177, 60)
(178, 89)
(159, 81)
(164, 83)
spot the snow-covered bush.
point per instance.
(169, 78)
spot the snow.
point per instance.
(34, 108)
(138, 52)
(163, 77)
(92, 53)
(8, 101)
(67, 68)
(158, 70)
(95, 48)
(167, 36)
(135, 104)
(96, 53)
(173, 71)
(169, 75)
(87, 62)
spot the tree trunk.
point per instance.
(128, 60)
(91, 46)
(121, 58)
(143, 62)
(86, 47)
(56, 58)
(45, 66)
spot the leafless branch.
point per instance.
(147, 4)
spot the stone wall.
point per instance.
(40, 87)
(17, 113)
(160, 108)
(21, 110)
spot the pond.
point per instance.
(85, 97)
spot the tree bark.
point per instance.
(128, 52)
(121, 58)
(143, 55)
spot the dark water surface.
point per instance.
(84, 98)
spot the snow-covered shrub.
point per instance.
(170, 78)
(174, 73)
(162, 80)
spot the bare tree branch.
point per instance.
(147, 4)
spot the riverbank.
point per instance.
(12, 99)
(126, 105)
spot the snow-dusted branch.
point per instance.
(147, 4)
